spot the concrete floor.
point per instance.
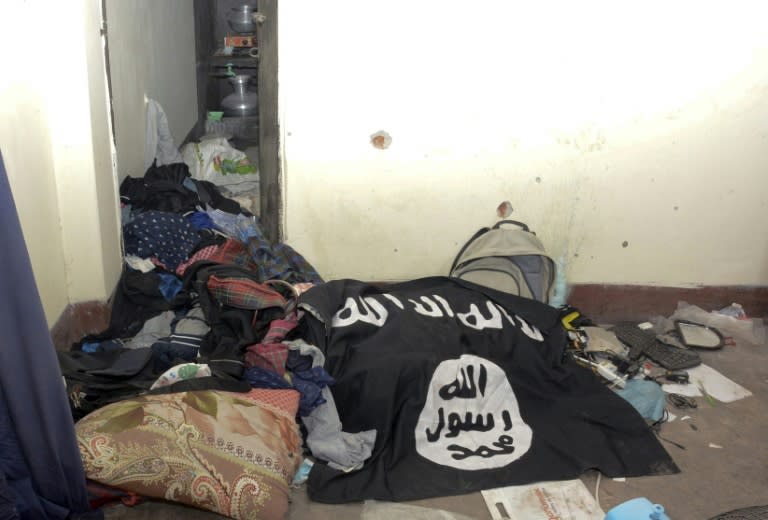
(712, 480)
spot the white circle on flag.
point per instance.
(471, 419)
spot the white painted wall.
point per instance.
(151, 53)
(54, 135)
(25, 143)
(601, 122)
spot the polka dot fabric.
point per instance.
(167, 236)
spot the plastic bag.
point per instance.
(216, 161)
(748, 331)
(734, 310)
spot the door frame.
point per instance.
(270, 163)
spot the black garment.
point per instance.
(95, 379)
(136, 299)
(162, 188)
(468, 389)
(175, 173)
(209, 194)
(167, 355)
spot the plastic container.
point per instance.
(734, 310)
(637, 509)
(242, 102)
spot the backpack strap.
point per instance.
(477, 235)
(515, 222)
(483, 231)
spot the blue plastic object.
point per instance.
(637, 509)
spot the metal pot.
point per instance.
(241, 102)
(240, 19)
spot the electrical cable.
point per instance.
(673, 443)
(682, 401)
(664, 418)
(656, 427)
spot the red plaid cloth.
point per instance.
(279, 329)
(204, 254)
(236, 253)
(269, 357)
(231, 252)
(244, 293)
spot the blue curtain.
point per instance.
(41, 474)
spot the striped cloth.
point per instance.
(244, 293)
(279, 261)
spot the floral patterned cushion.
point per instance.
(231, 453)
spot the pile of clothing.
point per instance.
(200, 286)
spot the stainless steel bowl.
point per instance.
(240, 19)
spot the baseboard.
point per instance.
(78, 320)
(604, 303)
(610, 303)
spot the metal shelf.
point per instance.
(222, 59)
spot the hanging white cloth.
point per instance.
(158, 141)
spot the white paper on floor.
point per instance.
(713, 382)
(566, 500)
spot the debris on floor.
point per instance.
(705, 379)
(731, 324)
(543, 501)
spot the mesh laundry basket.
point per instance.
(747, 513)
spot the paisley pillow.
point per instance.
(234, 454)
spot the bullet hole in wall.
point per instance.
(381, 140)
(504, 210)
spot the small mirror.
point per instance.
(696, 335)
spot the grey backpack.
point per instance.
(508, 259)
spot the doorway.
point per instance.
(159, 50)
